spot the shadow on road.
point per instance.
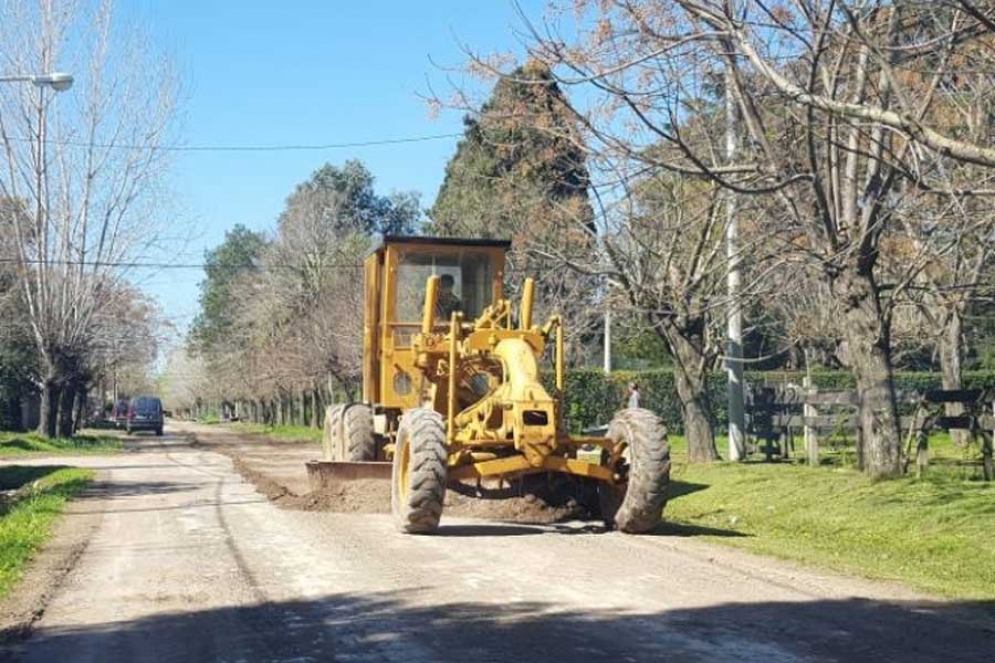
(118, 488)
(488, 529)
(16, 476)
(384, 627)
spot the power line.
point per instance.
(170, 265)
(290, 147)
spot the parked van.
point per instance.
(145, 413)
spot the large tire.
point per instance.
(418, 480)
(357, 430)
(348, 433)
(636, 506)
(331, 436)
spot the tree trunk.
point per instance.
(67, 401)
(49, 408)
(952, 370)
(79, 416)
(316, 408)
(691, 377)
(869, 345)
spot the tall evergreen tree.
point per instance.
(520, 174)
(519, 171)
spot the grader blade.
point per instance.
(325, 476)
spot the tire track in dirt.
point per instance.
(267, 612)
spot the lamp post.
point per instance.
(58, 81)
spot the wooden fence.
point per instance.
(776, 415)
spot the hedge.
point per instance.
(593, 397)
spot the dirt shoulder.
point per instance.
(26, 603)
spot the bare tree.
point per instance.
(86, 165)
(301, 312)
(184, 380)
(844, 110)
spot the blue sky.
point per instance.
(263, 73)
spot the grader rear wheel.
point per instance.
(418, 481)
(636, 506)
(348, 433)
(331, 438)
(357, 431)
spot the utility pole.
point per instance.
(734, 330)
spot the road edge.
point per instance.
(47, 572)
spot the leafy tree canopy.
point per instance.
(235, 256)
(359, 205)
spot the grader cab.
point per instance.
(452, 391)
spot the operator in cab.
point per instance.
(448, 302)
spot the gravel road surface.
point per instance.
(187, 562)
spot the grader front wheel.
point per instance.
(636, 505)
(418, 482)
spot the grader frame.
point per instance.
(448, 398)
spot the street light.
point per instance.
(58, 81)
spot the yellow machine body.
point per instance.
(466, 352)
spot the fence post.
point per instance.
(922, 452)
(986, 451)
(811, 435)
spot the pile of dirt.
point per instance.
(357, 496)
(539, 499)
(373, 496)
(273, 469)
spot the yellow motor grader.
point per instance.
(452, 392)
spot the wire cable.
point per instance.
(292, 147)
(169, 265)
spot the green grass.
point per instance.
(27, 444)
(936, 534)
(284, 433)
(27, 523)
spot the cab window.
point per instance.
(466, 283)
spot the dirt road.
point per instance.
(189, 563)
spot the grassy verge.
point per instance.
(26, 444)
(285, 433)
(26, 523)
(934, 534)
